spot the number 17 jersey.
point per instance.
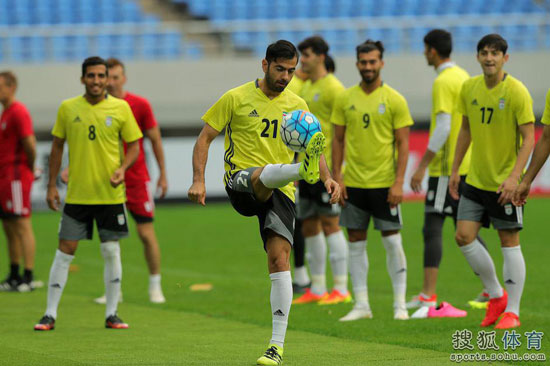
(252, 125)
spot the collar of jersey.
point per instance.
(260, 91)
(94, 105)
(444, 66)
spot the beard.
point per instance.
(272, 84)
(371, 77)
(94, 94)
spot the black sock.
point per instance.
(27, 276)
(14, 271)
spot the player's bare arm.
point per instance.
(338, 159)
(197, 191)
(132, 152)
(333, 188)
(395, 194)
(156, 142)
(542, 150)
(29, 147)
(508, 187)
(462, 144)
(52, 196)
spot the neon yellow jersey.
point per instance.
(93, 135)
(370, 121)
(494, 116)
(445, 93)
(252, 122)
(546, 114)
(320, 97)
(295, 85)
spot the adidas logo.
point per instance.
(253, 114)
(352, 108)
(510, 282)
(279, 313)
(402, 270)
(116, 280)
(477, 274)
(56, 285)
(77, 119)
(474, 102)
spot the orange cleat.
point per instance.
(309, 298)
(508, 321)
(336, 297)
(495, 308)
(114, 322)
(46, 323)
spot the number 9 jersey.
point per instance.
(93, 135)
(252, 121)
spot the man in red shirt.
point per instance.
(17, 156)
(139, 192)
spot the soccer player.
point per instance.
(139, 193)
(319, 217)
(372, 120)
(259, 177)
(17, 156)
(498, 120)
(438, 158)
(537, 161)
(92, 124)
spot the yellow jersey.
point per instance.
(445, 92)
(320, 97)
(295, 85)
(252, 125)
(494, 116)
(370, 121)
(546, 114)
(93, 135)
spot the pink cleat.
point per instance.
(445, 310)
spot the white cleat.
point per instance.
(103, 299)
(358, 312)
(419, 301)
(156, 297)
(400, 314)
(421, 313)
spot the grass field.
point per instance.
(231, 324)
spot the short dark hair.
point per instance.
(112, 62)
(494, 41)
(9, 77)
(92, 61)
(370, 45)
(329, 64)
(441, 41)
(317, 44)
(281, 49)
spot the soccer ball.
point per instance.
(297, 129)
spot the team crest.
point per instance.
(393, 211)
(316, 97)
(121, 219)
(508, 209)
(430, 195)
(382, 108)
(109, 122)
(501, 103)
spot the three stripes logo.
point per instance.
(253, 114)
(279, 313)
(77, 119)
(474, 102)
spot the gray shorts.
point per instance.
(364, 203)
(77, 222)
(312, 200)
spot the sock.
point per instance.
(279, 175)
(27, 275)
(397, 267)
(58, 278)
(14, 271)
(358, 269)
(154, 282)
(339, 260)
(483, 266)
(281, 298)
(300, 276)
(112, 275)
(513, 272)
(317, 256)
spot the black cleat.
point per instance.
(300, 289)
(46, 323)
(114, 322)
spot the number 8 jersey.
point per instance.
(494, 116)
(93, 135)
(252, 121)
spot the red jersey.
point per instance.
(143, 113)
(15, 125)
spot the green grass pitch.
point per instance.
(231, 325)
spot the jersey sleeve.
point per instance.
(338, 116)
(546, 114)
(24, 123)
(130, 130)
(401, 114)
(59, 127)
(149, 120)
(442, 98)
(523, 105)
(220, 114)
(461, 103)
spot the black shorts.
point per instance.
(77, 222)
(438, 198)
(482, 206)
(276, 214)
(362, 203)
(313, 201)
(140, 219)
